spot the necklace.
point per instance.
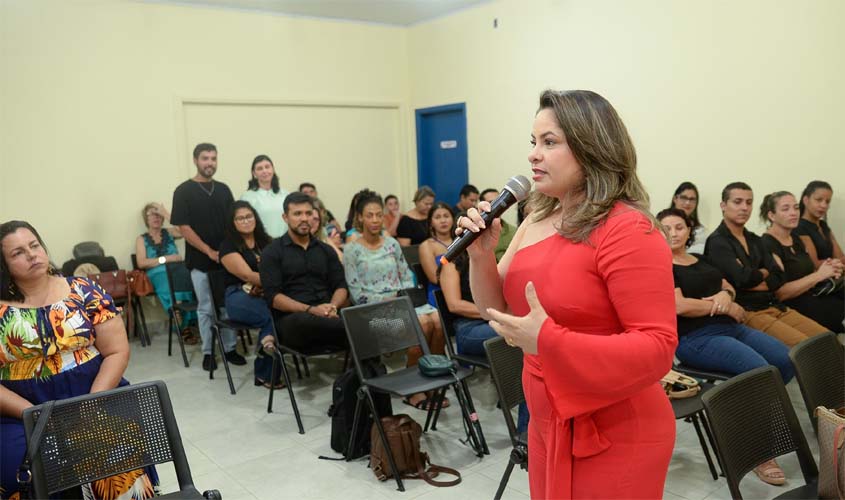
(209, 192)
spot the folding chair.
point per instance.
(691, 410)
(506, 367)
(753, 421)
(296, 354)
(447, 319)
(820, 369)
(411, 254)
(179, 280)
(98, 435)
(390, 326)
(138, 310)
(217, 283)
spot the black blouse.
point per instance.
(796, 260)
(821, 237)
(696, 281)
(251, 256)
(416, 230)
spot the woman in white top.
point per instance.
(266, 197)
(686, 199)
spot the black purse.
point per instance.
(436, 365)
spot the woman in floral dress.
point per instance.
(59, 338)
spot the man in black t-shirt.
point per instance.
(200, 208)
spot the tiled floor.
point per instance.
(235, 446)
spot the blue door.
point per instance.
(442, 150)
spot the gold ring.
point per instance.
(508, 341)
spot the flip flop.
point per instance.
(279, 385)
(425, 404)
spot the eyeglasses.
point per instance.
(244, 218)
(686, 199)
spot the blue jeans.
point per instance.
(206, 314)
(253, 311)
(470, 336)
(733, 348)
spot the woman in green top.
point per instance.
(265, 195)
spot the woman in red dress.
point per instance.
(586, 291)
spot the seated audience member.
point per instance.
(391, 214)
(686, 199)
(59, 338)
(711, 335)
(376, 270)
(508, 230)
(351, 233)
(470, 330)
(441, 227)
(303, 280)
(265, 195)
(468, 199)
(741, 257)
(801, 288)
(319, 231)
(240, 254)
(311, 190)
(413, 227)
(813, 230)
(153, 250)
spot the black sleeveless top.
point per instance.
(697, 281)
(821, 238)
(796, 260)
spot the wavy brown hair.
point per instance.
(601, 145)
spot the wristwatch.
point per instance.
(162, 259)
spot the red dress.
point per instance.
(601, 427)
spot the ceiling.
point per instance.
(393, 12)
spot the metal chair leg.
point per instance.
(706, 426)
(279, 362)
(383, 436)
(473, 415)
(296, 365)
(143, 323)
(704, 447)
(242, 334)
(215, 331)
(504, 482)
(176, 320)
(305, 365)
(170, 333)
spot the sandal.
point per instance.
(426, 404)
(279, 385)
(770, 473)
(189, 336)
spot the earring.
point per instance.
(13, 290)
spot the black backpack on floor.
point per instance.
(342, 411)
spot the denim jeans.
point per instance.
(470, 336)
(206, 314)
(733, 348)
(252, 311)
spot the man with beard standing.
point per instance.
(304, 282)
(200, 207)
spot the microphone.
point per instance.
(516, 189)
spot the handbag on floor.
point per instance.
(403, 436)
(831, 452)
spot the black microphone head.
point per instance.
(519, 186)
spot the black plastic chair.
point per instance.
(88, 249)
(391, 326)
(753, 421)
(296, 354)
(820, 369)
(179, 280)
(217, 283)
(138, 310)
(99, 435)
(447, 320)
(506, 367)
(411, 254)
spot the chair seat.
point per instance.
(683, 408)
(408, 381)
(473, 360)
(701, 374)
(810, 490)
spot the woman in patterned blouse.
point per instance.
(59, 338)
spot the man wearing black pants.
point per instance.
(303, 281)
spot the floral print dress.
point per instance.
(48, 353)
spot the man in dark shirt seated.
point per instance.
(304, 282)
(752, 271)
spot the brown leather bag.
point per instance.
(403, 437)
(140, 283)
(115, 283)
